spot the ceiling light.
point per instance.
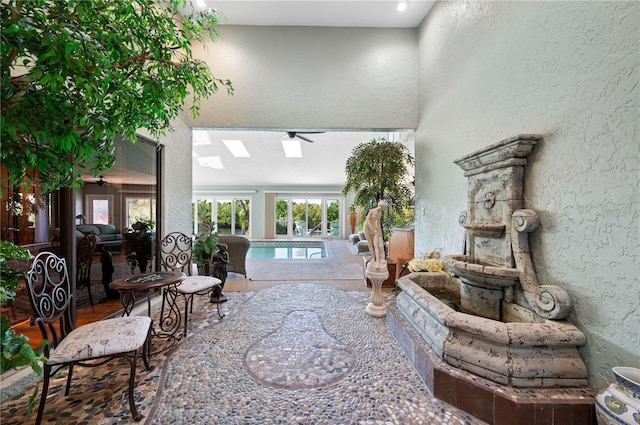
(402, 5)
(292, 148)
(201, 138)
(237, 149)
(211, 162)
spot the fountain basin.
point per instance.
(524, 350)
(481, 273)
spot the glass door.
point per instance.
(333, 217)
(299, 212)
(224, 217)
(242, 215)
(100, 209)
(315, 218)
(282, 217)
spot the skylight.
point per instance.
(211, 162)
(292, 148)
(237, 148)
(201, 138)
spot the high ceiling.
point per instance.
(343, 13)
(322, 162)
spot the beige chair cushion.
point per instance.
(193, 284)
(102, 338)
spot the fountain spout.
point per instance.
(498, 262)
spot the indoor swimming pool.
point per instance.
(287, 249)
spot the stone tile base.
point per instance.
(488, 401)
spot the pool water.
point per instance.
(287, 249)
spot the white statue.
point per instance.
(373, 233)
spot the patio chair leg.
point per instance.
(69, 374)
(186, 312)
(43, 396)
(146, 352)
(132, 382)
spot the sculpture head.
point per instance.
(382, 204)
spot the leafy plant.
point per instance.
(9, 277)
(16, 350)
(378, 170)
(204, 244)
(76, 73)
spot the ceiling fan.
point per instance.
(100, 182)
(297, 135)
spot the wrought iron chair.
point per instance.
(176, 255)
(90, 345)
(84, 258)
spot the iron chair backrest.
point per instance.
(176, 252)
(84, 258)
(50, 296)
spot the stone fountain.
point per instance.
(489, 315)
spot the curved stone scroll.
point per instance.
(548, 301)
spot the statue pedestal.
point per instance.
(376, 308)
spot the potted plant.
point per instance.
(139, 243)
(205, 244)
(378, 171)
(353, 218)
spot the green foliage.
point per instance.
(205, 243)
(76, 73)
(377, 170)
(9, 277)
(15, 349)
(332, 211)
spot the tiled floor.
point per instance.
(287, 352)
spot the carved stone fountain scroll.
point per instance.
(502, 324)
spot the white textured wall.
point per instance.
(176, 179)
(568, 71)
(313, 78)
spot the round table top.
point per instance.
(150, 280)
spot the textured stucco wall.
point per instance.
(313, 78)
(568, 71)
(176, 179)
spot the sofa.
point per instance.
(237, 247)
(108, 235)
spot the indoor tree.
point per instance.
(76, 73)
(378, 170)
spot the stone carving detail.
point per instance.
(549, 301)
(489, 200)
(462, 218)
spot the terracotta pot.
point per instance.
(619, 403)
(353, 219)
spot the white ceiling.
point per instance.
(341, 13)
(323, 161)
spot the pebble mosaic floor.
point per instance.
(299, 353)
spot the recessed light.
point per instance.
(402, 5)
(237, 149)
(211, 161)
(292, 148)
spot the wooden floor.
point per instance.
(83, 316)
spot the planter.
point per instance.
(619, 403)
(353, 219)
